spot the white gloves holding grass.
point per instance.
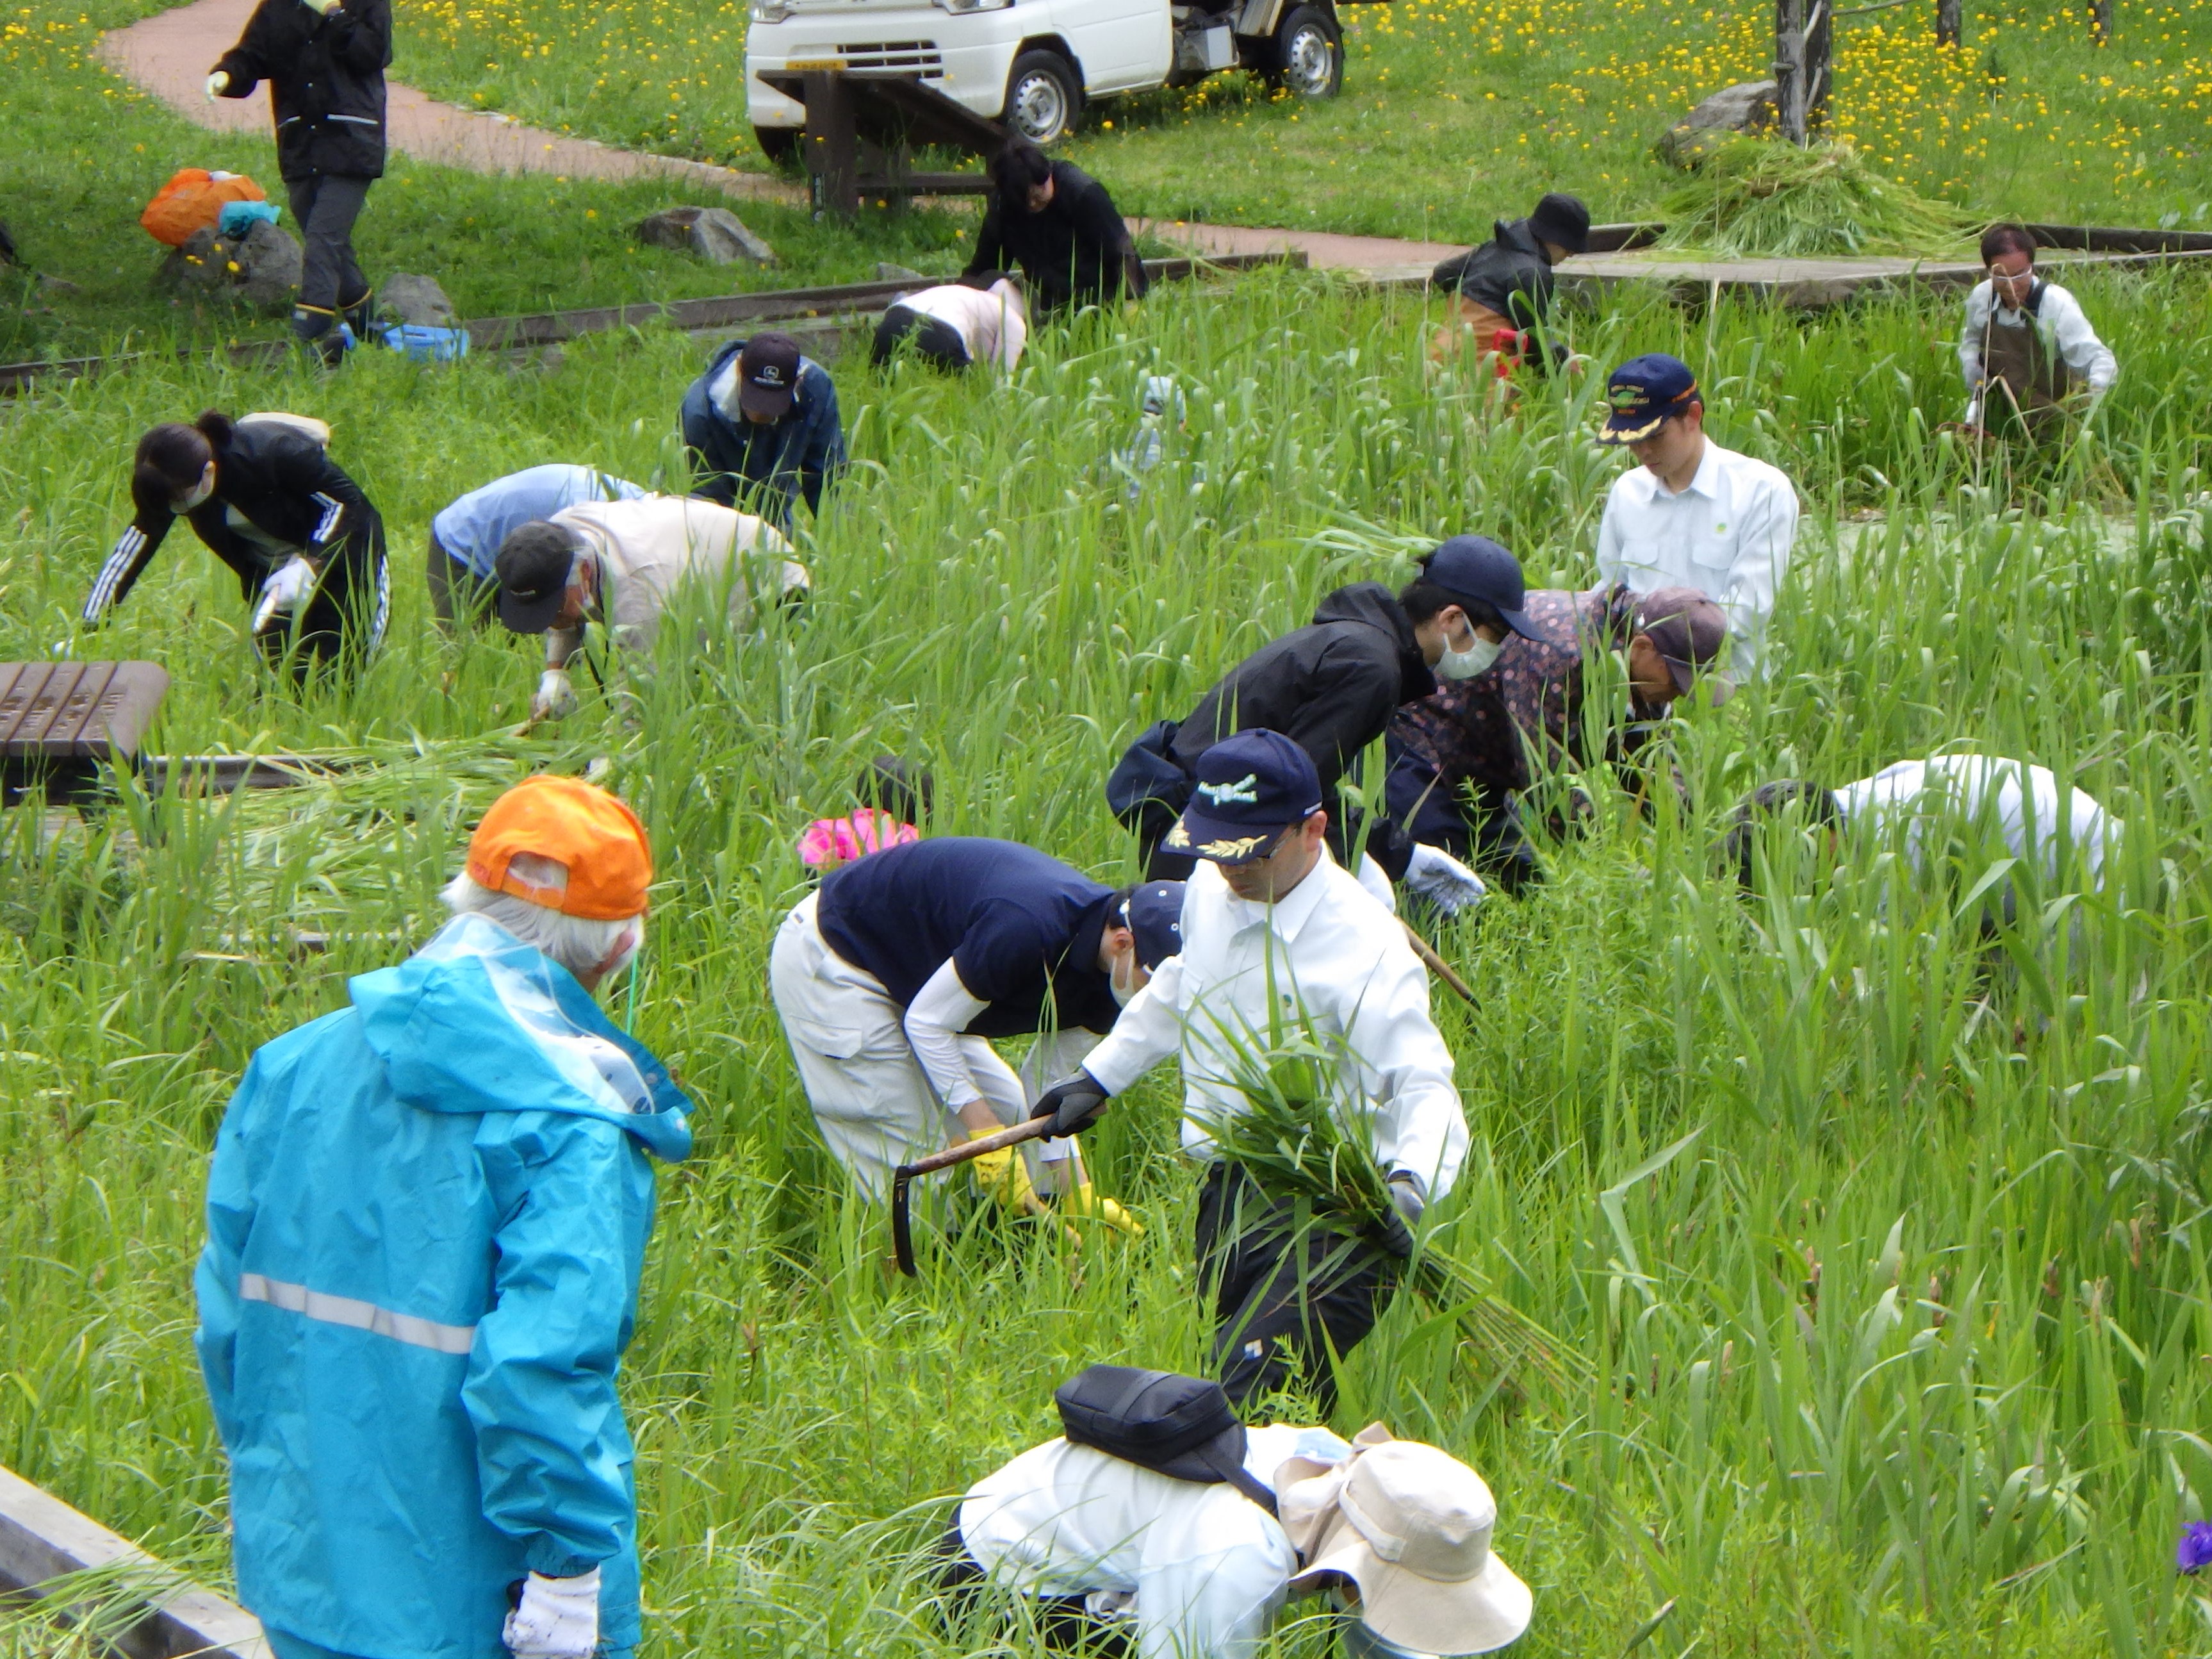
(1442, 880)
(558, 1618)
(556, 698)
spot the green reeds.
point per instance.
(1762, 198)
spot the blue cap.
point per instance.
(1642, 393)
(1154, 914)
(1251, 789)
(1476, 567)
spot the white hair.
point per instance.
(579, 943)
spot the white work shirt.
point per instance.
(991, 322)
(2066, 335)
(1200, 1569)
(1728, 534)
(648, 547)
(1327, 951)
(2012, 799)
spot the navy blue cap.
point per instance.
(1476, 567)
(1154, 915)
(1251, 789)
(1642, 393)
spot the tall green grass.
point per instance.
(1880, 1240)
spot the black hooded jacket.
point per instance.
(1507, 274)
(326, 78)
(1076, 251)
(1330, 688)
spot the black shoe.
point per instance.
(317, 332)
(358, 316)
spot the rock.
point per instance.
(417, 299)
(1748, 107)
(715, 232)
(260, 269)
(888, 273)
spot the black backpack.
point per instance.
(1182, 1427)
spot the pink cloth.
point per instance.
(841, 840)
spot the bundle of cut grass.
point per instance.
(1762, 199)
(1304, 1137)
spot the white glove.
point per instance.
(1444, 882)
(217, 84)
(324, 8)
(559, 1617)
(555, 697)
(287, 587)
(64, 647)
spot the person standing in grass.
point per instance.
(893, 978)
(1332, 687)
(2028, 351)
(1691, 514)
(1281, 944)
(468, 534)
(426, 1215)
(980, 319)
(325, 62)
(1461, 759)
(761, 426)
(1058, 225)
(1502, 289)
(622, 563)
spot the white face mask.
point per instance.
(199, 493)
(1465, 664)
(1123, 979)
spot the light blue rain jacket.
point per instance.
(426, 1219)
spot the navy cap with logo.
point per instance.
(1476, 567)
(1251, 789)
(532, 567)
(1154, 914)
(1643, 391)
(768, 376)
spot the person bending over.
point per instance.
(467, 534)
(1502, 289)
(762, 428)
(981, 319)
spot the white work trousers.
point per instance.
(870, 1095)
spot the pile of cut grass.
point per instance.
(1761, 197)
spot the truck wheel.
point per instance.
(1309, 54)
(1044, 98)
(779, 144)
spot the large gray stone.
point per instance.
(715, 232)
(259, 270)
(418, 299)
(888, 273)
(1748, 107)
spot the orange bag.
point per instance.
(192, 197)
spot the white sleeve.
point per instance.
(2085, 354)
(1765, 536)
(1610, 567)
(1969, 349)
(1013, 336)
(941, 1011)
(1148, 1030)
(1420, 1125)
(1213, 1607)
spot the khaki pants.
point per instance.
(871, 1098)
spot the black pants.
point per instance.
(342, 624)
(935, 340)
(457, 593)
(1064, 1622)
(324, 208)
(1284, 1297)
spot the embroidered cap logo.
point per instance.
(1245, 790)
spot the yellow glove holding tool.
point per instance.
(1083, 1199)
(1003, 1175)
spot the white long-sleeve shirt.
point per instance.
(1326, 958)
(2017, 801)
(992, 322)
(2058, 317)
(648, 547)
(1200, 1569)
(1728, 534)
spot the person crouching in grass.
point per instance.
(2027, 351)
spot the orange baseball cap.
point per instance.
(587, 832)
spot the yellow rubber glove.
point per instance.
(1083, 1199)
(1003, 1175)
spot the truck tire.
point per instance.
(1308, 55)
(779, 144)
(1044, 97)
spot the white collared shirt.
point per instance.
(1329, 958)
(2058, 317)
(1728, 534)
(1200, 1569)
(2018, 802)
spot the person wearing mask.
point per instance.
(1502, 289)
(1691, 514)
(1189, 1565)
(979, 319)
(468, 534)
(426, 1215)
(1280, 941)
(263, 495)
(893, 978)
(761, 427)
(623, 563)
(1058, 225)
(1461, 757)
(1332, 688)
(325, 62)
(2028, 351)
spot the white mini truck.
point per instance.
(1032, 64)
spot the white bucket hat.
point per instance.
(1411, 1526)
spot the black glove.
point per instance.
(1404, 1214)
(1073, 1104)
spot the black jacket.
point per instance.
(1076, 251)
(325, 79)
(1507, 274)
(1330, 688)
